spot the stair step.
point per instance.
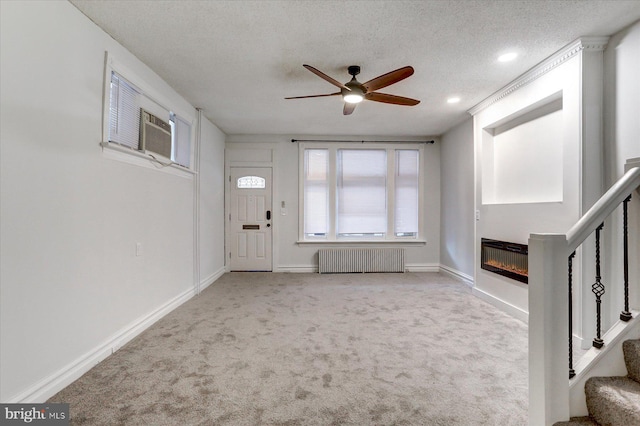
(613, 401)
(631, 349)
(578, 421)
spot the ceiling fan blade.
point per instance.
(348, 108)
(314, 96)
(326, 77)
(391, 99)
(388, 79)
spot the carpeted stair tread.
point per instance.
(578, 421)
(613, 401)
(631, 349)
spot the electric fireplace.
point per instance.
(506, 259)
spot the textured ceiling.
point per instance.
(237, 60)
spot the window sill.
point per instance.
(117, 152)
(363, 242)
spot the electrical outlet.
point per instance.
(138, 249)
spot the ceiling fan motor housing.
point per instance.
(354, 70)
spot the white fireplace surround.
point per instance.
(538, 161)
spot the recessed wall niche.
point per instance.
(522, 155)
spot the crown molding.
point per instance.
(592, 44)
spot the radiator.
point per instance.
(346, 260)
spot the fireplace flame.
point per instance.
(507, 267)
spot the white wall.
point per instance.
(290, 256)
(622, 100)
(622, 142)
(72, 287)
(211, 175)
(457, 209)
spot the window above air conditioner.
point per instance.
(138, 122)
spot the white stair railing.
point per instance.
(549, 309)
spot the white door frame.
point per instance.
(250, 220)
(249, 154)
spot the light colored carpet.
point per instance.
(310, 349)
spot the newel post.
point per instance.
(548, 329)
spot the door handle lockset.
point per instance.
(268, 214)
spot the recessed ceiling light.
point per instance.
(507, 57)
(454, 100)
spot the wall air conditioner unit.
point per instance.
(155, 134)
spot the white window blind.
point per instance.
(362, 193)
(182, 142)
(124, 112)
(353, 193)
(316, 192)
(406, 193)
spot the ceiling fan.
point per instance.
(355, 92)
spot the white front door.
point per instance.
(250, 219)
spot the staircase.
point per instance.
(614, 401)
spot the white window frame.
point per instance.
(389, 237)
(156, 96)
(251, 182)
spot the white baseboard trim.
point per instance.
(49, 386)
(212, 278)
(296, 268)
(510, 309)
(422, 267)
(454, 273)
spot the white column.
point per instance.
(548, 330)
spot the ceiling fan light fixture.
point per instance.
(355, 95)
(353, 98)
